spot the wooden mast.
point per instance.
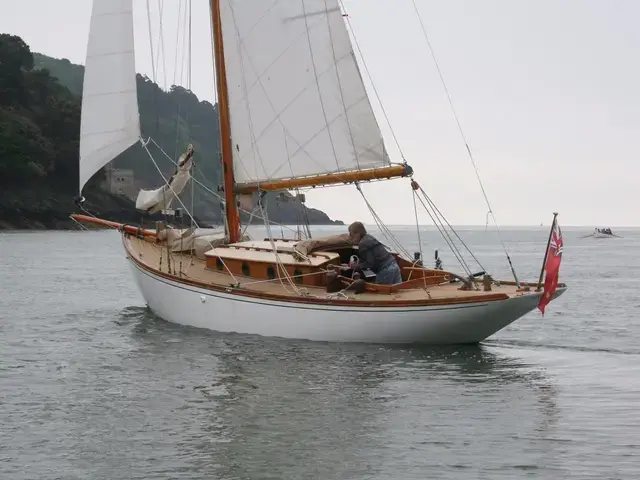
(231, 210)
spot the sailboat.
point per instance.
(293, 113)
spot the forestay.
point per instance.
(109, 120)
(297, 102)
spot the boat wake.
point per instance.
(513, 344)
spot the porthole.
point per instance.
(219, 264)
(245, 269)
(297, 276)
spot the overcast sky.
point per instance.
(547, 92)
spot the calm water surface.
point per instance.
(92, 386)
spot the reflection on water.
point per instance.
(272, 408)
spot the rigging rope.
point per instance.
(145, 146)
(415, 211)
(209, 190)
(447, 238)
(161, 51)
(383, 228)
(189, 49)
(175, 59)
(463, 136)
(316, 78)
(344, 106)
(305, 215)
(437, 210)
(375, 216)
(153, 65)
(189, 71)
(279, 263)
(373, 86)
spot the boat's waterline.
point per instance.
(186, 304)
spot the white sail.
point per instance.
(153, 201)
(297, 102)
(110, 122)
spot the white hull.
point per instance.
(603, 235)
(185, 304)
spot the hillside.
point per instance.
(39, 133)
(174, 119)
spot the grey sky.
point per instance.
(547, 92)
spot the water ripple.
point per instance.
(92, 385)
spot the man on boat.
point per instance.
(374, 256)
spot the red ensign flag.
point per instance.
(551, 267)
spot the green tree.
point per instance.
(40, 109)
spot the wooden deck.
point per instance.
(188, 269)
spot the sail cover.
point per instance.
(297, 102)
(153, 201)
(109, 119)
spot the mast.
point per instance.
(231, 211)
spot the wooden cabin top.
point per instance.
(251, 252)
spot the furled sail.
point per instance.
(109, 119)
(297, 103)
(153, 201)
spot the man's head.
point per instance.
(357, 231)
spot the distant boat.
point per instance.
(602, 233)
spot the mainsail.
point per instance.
(153, 201)
(109, 120)
(297, 102)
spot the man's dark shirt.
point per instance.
(373, 255)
